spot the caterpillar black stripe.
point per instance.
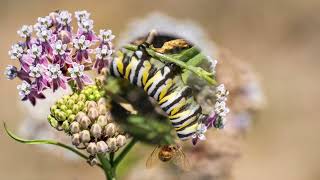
(161, 84)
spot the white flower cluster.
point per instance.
(16, 51)
(24, 89)
(64, 18)
(35, 71)
(54, 71)
(103, 52)
(76, 70)
(84, 23)
(35, 51)
(59, 48)
(25, 31)
(106, 35)
(81, 43)
(220, 107)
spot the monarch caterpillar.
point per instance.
(160, 83)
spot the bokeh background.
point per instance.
(279, 38)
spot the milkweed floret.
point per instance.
(55, 48)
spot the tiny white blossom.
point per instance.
(11, 72)
(25, 31)
(24, 89)
(221, 109)
(54, 71)
(59, 48)
(64, 18)
(35, 71)
(106, 35)
(81, 43)
(86, 25)
(221, 93)
(201, 130)
(76, 70)
(35, 51)
(45, 21)
(16, 51)
(80, 15)
(103, 52)
(44, 34)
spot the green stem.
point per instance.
(124, 152)
(36, 141)
(111, 158)
(108, 169)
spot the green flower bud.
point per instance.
(56, 112)
(75, 127)
(92, 148)
(85, 122)
(110, 129)
(71, 118)
(85, 136)
(75, 97)
(91, 104)
(102, 109)
(53, 108)
(91, 97)
(75, 109)
(112, 144)
(80, 115)
(62, 116)
(97, 96)
(87, 92)
(102, 120)
(70, 103)
(60, 102)
(76, 139)
(52, 121)
(102, 147)
(80, 104)
(65, 126)
(121, 140)
(93, 114)
(96, 130)
(102, 93)
(68, 112)
(64, 108)
(82, 98)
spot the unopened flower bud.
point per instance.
(75, 109)
(76, 139)
(71, 118)
(102, 101)
(53, 122)
(65, 126)
(121, 140)
(53, 108)
(96, 130)
(68, 112)
(62, 116)
(70, 103)
(110, 129)
(100, 81)
(91, 104)
(92, 161)
(93, 114)
(82, 98)
(85, 122)
(85, 136)
(102, 109)
(102, 147)
(112, 144)
(102, 120)
(80, 115)
(75, 127)
(92, 148)
(80, 104)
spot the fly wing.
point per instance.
(153, 158)
(181, 160)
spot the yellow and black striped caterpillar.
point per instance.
(160, 83)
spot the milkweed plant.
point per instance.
(105, 115)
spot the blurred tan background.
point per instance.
(280, 38)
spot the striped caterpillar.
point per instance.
(162, 84)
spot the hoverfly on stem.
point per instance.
(168, 153)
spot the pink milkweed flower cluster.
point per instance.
(54, 54)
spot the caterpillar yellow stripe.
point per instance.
(160, 83)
